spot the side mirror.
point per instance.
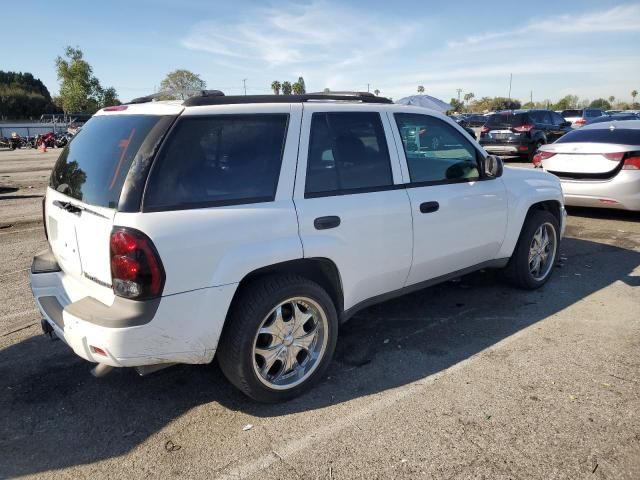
(493, 166)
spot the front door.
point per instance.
(459, 216)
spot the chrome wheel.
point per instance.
(290, 343)
(542, 251)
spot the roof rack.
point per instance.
(363, 97)
(172, 93)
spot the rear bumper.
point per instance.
(507, 148)
(622, 192)
(180, 328)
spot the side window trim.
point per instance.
(408, 183)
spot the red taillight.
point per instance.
(136, 269)
(540, 156)
(580, 121)
(631, 163)
(523, 128)
(484, 129)
(616, 156)
(115, 108)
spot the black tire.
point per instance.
(517, 271)
(538, 144)
(250, 308)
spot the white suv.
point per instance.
(250, 227)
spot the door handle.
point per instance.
(429, 207)
(324, 223)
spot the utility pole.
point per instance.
(510, 79)
(459, 90)
(367, 88)
(244, 85)
(531, 97)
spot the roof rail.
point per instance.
(172, 93)
(363, 97)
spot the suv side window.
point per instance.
(218, 160)
(348, 153)
(436, 152)
(557, 119)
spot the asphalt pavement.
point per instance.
(469, 379)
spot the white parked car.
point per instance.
(579, 117)
(598, 165)
(249, 227)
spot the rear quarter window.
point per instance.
(507, 120)
(218, 160)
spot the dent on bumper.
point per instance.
(184, 328)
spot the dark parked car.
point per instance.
(522, 132)
(615, 117)
(476, 120)
(462, 121)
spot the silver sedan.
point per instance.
(598, 165)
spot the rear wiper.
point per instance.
(69, 207)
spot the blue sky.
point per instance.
(586, 47)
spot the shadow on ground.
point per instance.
(55, 415)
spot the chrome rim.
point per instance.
(290, 343)
(542, 251)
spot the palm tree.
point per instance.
(327, 90)
(420, 89)
(468, 96)
(286, 87)
(276, 86)
(634, 94)
(297, 88)
(611, 99)
(376, 92)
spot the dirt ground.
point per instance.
(469, 379)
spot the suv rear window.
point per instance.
(624, 136)
(218, 160)
(571, 113)
(506, 120)
(93, 167)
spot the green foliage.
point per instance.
(420, 89)
(376, 92)
(181, 84)
(22, 96)
(301, 86)
(286, 88)
(600, 103)
(80, 90)
(276, 86)
(327, 90)
(456, 105)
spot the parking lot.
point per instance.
(469, 379)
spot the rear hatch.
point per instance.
(590, 153)
(506, 127)
(85, 191)
(573, 116)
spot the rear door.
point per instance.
(85, 191)
(351, 206)
(459, 218)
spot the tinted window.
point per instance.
(506, 120)
(347, 151)
(625, 136)
(94, 165)
(435, 151)
(571, 113)
(557, 118)
(218, 160)
(593, 113)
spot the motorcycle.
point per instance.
(47, 139)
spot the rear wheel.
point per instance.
(538, 144)
(280, 338)
(531, 264)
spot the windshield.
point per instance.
(506, 120)
(571, 113)
(93, 167)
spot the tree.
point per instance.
(600, 103)
(529, 105)
(376, 92)
(286, 88)
(297, 88)
(302, 87)
(22, 96)
(181, 84)
(456, 105)
(502, 103)
(468, 97)
(611, 99)
(276, 86)
(567, 102)
(80, 90)
(634, 94)
(420, 89)
(327, 90)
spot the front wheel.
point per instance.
(531, 264)
(280, 337)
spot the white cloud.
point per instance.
(623, 18)
(317, 33)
